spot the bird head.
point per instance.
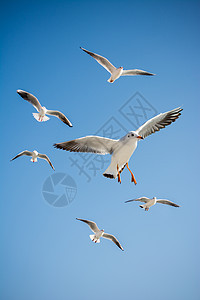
(35, 152)
(102, 230)
(134, 135)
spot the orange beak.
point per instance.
(140, 137)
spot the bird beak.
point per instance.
(140, 137)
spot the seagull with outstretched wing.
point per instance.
(35, 155)
(152, 201)
(115, 72)
(122, 149)
(100, 233)
(42, 111)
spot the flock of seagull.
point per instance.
(120, 150)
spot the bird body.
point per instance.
(122, 154)
(115, 74)
(34, 156)
(148, 202)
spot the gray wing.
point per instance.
(93, 144)
(92, 225)
(141, 199)
(30, 98)
(25, 152)
(158, 122)
(113, 239)
(164, 201)
(44, 156)
(101, 60)
(136, 72)
(59, 115)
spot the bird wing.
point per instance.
(164, 201)
(112, 238)
(30, 98)
(93, 144)
(59, 115)
(44, 156)
(93, 226)
(25, 152)
(101, 60)
(141, 199)
(159, 122)
(135, 72)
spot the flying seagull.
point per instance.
(150, 202)
(100, 233)
(42, 111)
(115, 72)
(35, 155)
(122, 149)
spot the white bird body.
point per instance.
(150, 202)
(34, 156)
(115, 74)
(96, 237)
(121, 155)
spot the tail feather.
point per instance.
(111, 172)
(37, 117)
(110, 80)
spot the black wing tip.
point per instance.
(57, 146)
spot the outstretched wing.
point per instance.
(25, 152)
(30, 98)
(93, 144)
(164, 201)
(158, 122)
(113, 239)
(44, 156)
(59, 115)
(135, 72)
(92, 225)
(141, 199)
(101, 60)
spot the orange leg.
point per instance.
(132, 176)
(118, 175)
(146, 209)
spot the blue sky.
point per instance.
(45, 252)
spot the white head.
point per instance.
(102, 230)
(35, 152)
(44, 109)
(132, 135)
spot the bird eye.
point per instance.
(132, 134)
(128, 135)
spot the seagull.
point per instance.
(115, 72)
(42, 111)
(122, 149)
(35, 155)
(100, 233)
(150, 202)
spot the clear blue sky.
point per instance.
(45, 252)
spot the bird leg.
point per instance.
(118, 175)
(146, 208)
(132, 176)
